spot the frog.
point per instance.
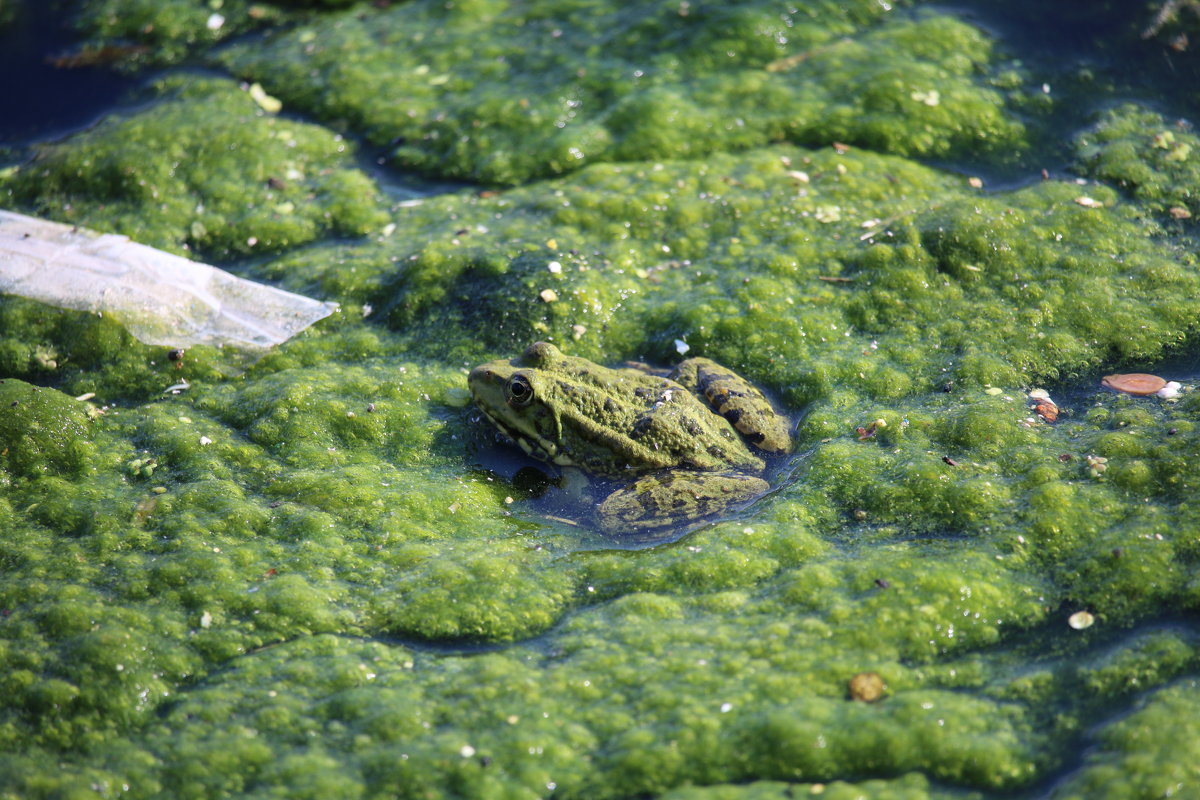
(680, 446)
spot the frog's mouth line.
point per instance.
(532, 446)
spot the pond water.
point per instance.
(43, 101)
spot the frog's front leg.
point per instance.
(737, 400)
(678, 497)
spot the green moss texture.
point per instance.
(319, 574)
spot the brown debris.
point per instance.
(1046, 410)
(866, 687)
(868, 432)
(99, 56)
(1135, 383)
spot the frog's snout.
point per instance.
(487, 385)
(480, 377)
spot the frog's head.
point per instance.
(519, 397)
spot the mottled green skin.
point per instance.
(327, 599)
(738, 401)
(623, 423)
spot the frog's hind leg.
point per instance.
(668, 499)
(737, 400)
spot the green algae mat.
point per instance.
(319, 574)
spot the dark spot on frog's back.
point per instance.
(610, 407)
(733, 415)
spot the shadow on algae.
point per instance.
(321, 575)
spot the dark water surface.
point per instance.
(1090, 56)
(40, 100)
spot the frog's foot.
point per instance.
(737, 400)
(673, 498)
(574, 483)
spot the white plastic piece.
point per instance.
(1170, 391)
(162, 299)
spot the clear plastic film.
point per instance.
(161, 299)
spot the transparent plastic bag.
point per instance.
(162, 299)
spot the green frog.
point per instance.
(681, 447)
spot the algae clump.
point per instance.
(1154, 158)
(42, 431)
(182, 157)
(499, 93)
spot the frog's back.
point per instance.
(618, 422)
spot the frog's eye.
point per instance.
(519, 390)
